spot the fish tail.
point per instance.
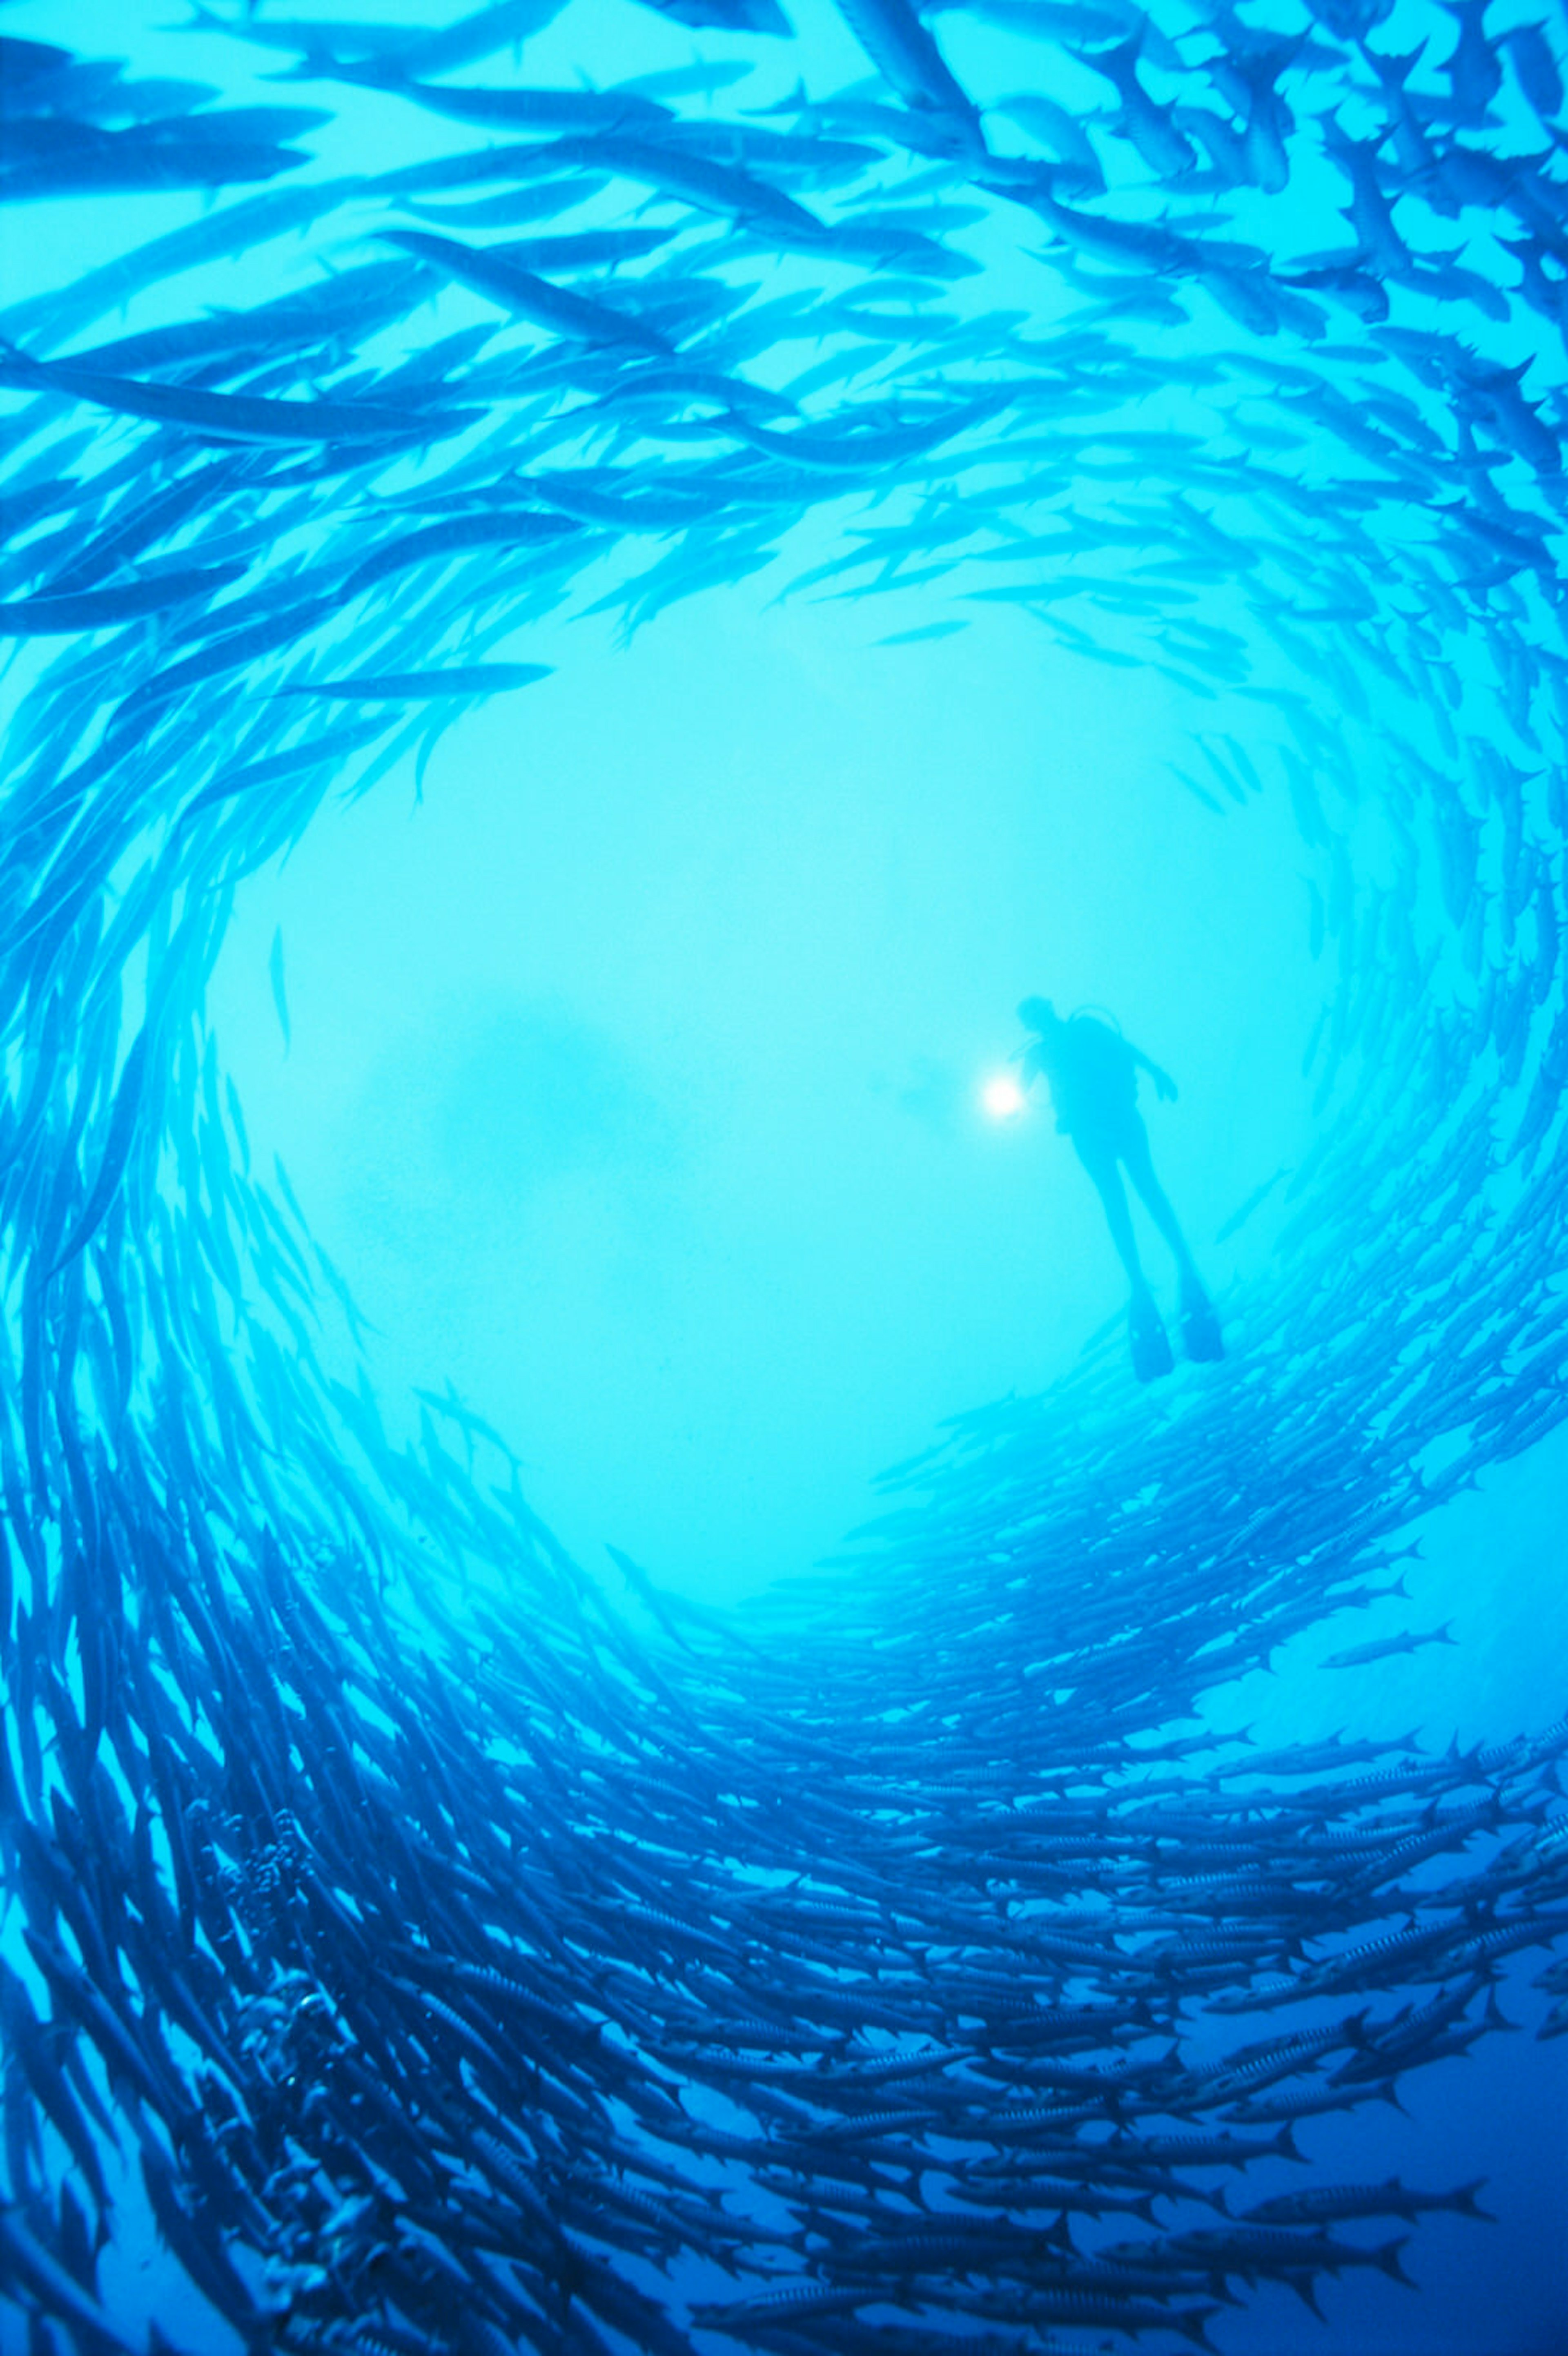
(1386, 2258)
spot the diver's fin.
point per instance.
(1200, 1331)
(1151, 1344)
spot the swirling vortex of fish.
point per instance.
(451, 1968)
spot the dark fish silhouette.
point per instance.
(505, 281)
(228, 417)
(1384, 1648)
(57, 613)
(412, 686)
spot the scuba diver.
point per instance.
(1092, 1072)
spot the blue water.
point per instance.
(518, 1132)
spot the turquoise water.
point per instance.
(495, 1164)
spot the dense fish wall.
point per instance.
(438, 1965)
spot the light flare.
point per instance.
(1002, 1098)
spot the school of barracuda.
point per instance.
(457, 1967)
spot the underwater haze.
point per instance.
(653, 1698)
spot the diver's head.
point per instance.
(1036, 1014)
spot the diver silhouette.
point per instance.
(1092, 1074)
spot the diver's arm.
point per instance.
(1164, 1085)
(1034, 1067)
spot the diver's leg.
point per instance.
(1099, 1161)
(1151, 1348)
(1201, 1327)
(1134, 1152)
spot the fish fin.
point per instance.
(1394, 71)
(1387, 2257)
(431, 736)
